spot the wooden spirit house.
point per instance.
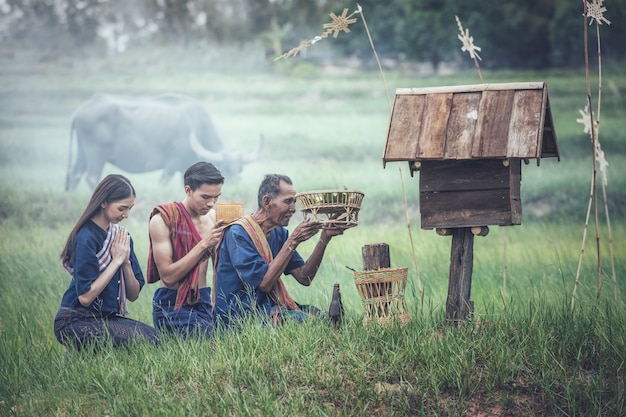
(468, 143)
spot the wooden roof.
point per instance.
(496, 121)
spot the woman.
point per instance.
(105, 272)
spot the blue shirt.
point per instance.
(240, 270)
(87, 243)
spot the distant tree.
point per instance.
(511, 33)
(613, 36)
(24, 21)
(427, 31)
(222, 21)
(173, 19)
(282, 24)
(566, 34)
(382, 18)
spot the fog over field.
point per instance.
(323, 114)
(323, 117)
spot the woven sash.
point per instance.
(183, 236)
(279, 291)
(105, 258)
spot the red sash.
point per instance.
(184, 236)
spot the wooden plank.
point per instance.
(462, 125)
(525, 124)
(492, 127)
(514, 121)
(465, 209)
(458, 304)
(477, 219)
(515, 185)
(432, 137)
(466, 201)
(472, 88)
(550, 144)
(404, 128)
(479, 174)
(542, 116)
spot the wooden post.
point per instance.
(375, 256)
(458, 304)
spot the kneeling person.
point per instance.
(257, 249)
(100, 256)
(183, 236)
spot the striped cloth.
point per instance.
(104, 259)
(279, 292)
(184, 236)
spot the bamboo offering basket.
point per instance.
(382, 293)
(335, 209)
(229, 212)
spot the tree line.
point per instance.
(511, 33)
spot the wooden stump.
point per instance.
(458, 304)
(376, 256)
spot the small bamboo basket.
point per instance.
(382, 294)
(333, 208)
(228, 212)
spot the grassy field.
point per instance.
(524, 353)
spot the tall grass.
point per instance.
(533, 357)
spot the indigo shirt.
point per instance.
(87, 243)
(240, 271)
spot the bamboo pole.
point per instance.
(593, 146)
(604, 199)
(382, 75)
(582, 247)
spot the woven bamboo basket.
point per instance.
(382, 294)
(333, 208)
(228, 212)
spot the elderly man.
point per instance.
(257, 250)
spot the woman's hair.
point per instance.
(202, 173)
(112, 188)
(271, 186)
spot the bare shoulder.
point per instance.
(157, 224)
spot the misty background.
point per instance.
(535, 34)
(325, 108)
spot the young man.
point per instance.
(257, 249)
(183, 236)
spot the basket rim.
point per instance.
(382, 270)
(339, 200)
(328, 191)
(377, 274)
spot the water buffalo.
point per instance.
(168, 132)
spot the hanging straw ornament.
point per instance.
(468, 45)
(595, 11)
(337, 25)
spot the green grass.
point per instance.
(523, 353)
